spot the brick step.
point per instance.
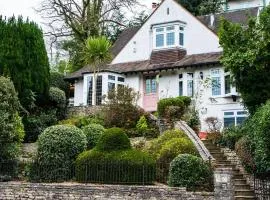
(240, 181)
(244, 198)
(244, 192)
(225, 166)
(241, 186)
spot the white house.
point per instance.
(173, 54)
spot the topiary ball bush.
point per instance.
(191, 172)
(116, 167)
(93, 133)
(58, 97)
(58, 147)
(113, 139)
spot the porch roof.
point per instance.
(146, 66)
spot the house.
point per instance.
(174, 53)
(244, 4)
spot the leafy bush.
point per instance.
(231, 135)
(244, 152)
(215, 137)
(258, 127)
(11, 128)
(120, 108)
(113, 139)
(191, 172)
(57, 80)
(129, 166)
(37, 122)
(181, 102)
(174, 147)
(58, 97)
(193, 120)
(81, 121)
(142, 124)
(157, 144)
(58, 146)
(93, 133)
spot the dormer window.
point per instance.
(167, 36)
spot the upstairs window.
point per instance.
(169, 36)
(216, 82)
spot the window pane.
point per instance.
(90, 91)
(110, 77)
(180, 76)
(154, 86)
(170, 28)
(170, 39)
(111, 86)
(181, 88)
(181, 39)
(159, 29)
(240, 120)
(216, 86)
(229, 121)
(148, 86)
(228, 113)
(99, 90)
(159, 40)
(227, 84)
(242, 113)
(190, 88)
(121, 79)
(181, 28)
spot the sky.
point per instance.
(26, 8)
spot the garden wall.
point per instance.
(23, 191)
(83, 110)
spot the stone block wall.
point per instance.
(82, 110)
(25, 191)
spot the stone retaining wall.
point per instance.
(25, 191)
(82, 110)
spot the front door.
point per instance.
(150, 97)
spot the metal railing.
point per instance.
(105, 172)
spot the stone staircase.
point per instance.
(242, 189)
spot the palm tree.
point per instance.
(97, 54)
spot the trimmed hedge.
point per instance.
(125, 167)
(181, 102)
(191, 172)
(58, 146)
(93, 133)
(113, 139)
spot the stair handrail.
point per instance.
(203, 151)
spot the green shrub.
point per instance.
(81, 121)
(58, 97)
(193, 119)
(57, 80)
(244, 152)
(157, 144)
(142, 124)
(58, 147)
(129, 166)
(93, 133)
(191, 172)
(231, 135)
(36, 123)
(174, 147)
(257, 128)
(113, 139)
(181, 102)
(11, 128)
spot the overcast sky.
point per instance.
(26, 8)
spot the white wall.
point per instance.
(78, 92)
(198, 38)
(241, 4)
(135, 81)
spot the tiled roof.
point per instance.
(237, 16)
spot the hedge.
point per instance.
(93, 133)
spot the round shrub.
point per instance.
(113, 139)
(191, 172)
(93, 133)
(58, 147)
(57, 80)
(174, 147)
(244, 152)
(157, 144)
(57, 96)
(129, 166)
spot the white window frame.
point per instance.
(218, 75)
(235, 115)
(189, 78)
(176, 32)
